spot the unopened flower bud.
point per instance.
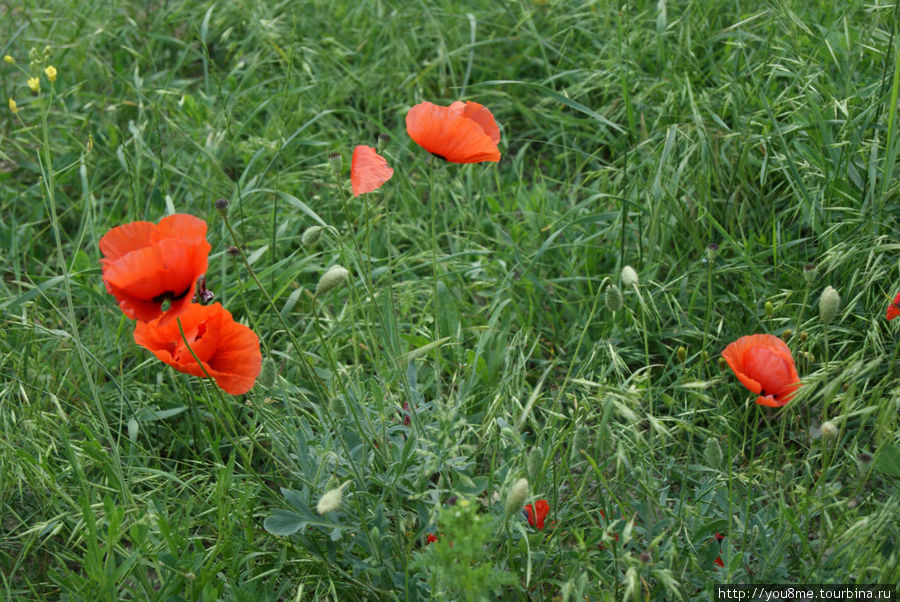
(331, 500)
(803, 337)
(222, 206)
(645, 557)
(334, 277)
(518, 493)
(629, 276)
(9, 60)
(712, 249)
(51, 73)
(382, 140)
(267, 373)
(681, 353)
(613, 298)
(864, 461)
(786, 334)
(704, 356)
(829, 304)
(809, 272)
(311, 235)
(829, 430)
(233, 251)
(770, 309)
(723, 363)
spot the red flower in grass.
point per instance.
(430, 538)
(536, 513)
(763, 363)
(718, 561)
(893, 309)
(145, 265)
(461, 133)
(368, 170)
(228, 351)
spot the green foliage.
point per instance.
(460, 562)
(741, 158)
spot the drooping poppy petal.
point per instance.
(763, 363)
(893, 309)
(368, 170)
(536, 513)
(460, 133)
(229, 351)
(145, 265)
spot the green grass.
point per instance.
(632, 134)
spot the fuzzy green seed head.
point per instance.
(712, 453)
(829, 430)
(267, 373)
(331, 500)
(629, 276)
(334, 277)
(613, 298)
(829, 304)
(311, 235)
(515, 500)
(534, 463)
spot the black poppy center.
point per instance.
(171, 296)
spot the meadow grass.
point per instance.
(474, 343)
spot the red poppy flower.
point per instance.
(763, 363)
(430, 538)
(893, 309)
(461, 133)
(536, 513)
(146, 264)
(718, 561)
(368, 170)
(228, 351)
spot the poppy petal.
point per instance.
(480, 115)
(763, 363)
(893, 309)
(368, 170)
(146, 265)
(536, 513)
(125, 238)
(228, 350)
(450, 134)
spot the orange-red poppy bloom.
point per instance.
(461, 133)
(368, 170)
(763, 363)
(893, 309)
(536, 513)
(228, 351)
(146, 264)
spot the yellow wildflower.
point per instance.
(35, 84)
(13, 106)
(51, 73)
(9, 60)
